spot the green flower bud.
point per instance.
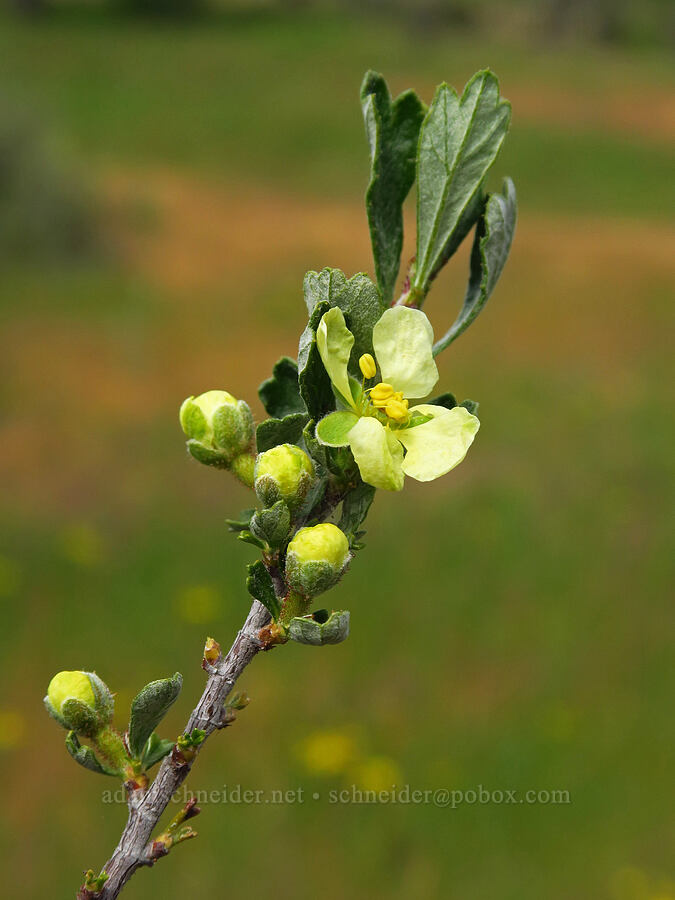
(219, 427)
(316, 559)
(80, 702)
(283, 473)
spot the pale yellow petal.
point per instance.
(377, 453)
(403, 339)
(335, 341)
(437, 446)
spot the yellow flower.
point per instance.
(388, 438)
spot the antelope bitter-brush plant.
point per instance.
(348, 418)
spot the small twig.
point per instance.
(136, 847)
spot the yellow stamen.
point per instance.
(367, 366)
(381, 394)
(397, 409)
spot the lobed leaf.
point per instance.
(491, 246)
(280, 394)
(459, 141)
(470, 406)
(447, 400)
(288, 430)
(357, 297)
(392, 130)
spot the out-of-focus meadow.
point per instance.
(164, 186)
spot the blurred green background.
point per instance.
(165, 182)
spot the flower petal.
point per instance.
(437, 446)
(334, 429)
(377, 453)
(335, 342)
(403, 339)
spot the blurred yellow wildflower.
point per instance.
(377, 773)
(328, 752)
(83, 545)
(199, 604)
(12, 728)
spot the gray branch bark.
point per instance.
(146, 806)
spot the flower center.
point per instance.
(384, 397)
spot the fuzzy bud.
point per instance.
(219, 427)
(316, 559)
(283, 473)
(80, 702)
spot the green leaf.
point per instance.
(392, 130)
(357, 297)
(307, 630)
(280, 394)
(85, 756)
(491, 245)
(243, 522)
(448, 400)
(459, 141)
(471, 406)
(148, 709)
(333, 431)
(248, 538)
(259, 585)
(272, 525)
(315, 449)
(315, 386)
(207, 456)
(355, 508)
(273, 432)
(156, 748)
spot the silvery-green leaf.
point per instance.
(306, 630)
(471, 406)
(206, 455)
(459, 141)
(259, 585)
(156, 749)
(149, 707)
(357, 297)
(448, 400)
(315, 385)
(315, 449)
(355, 508)
(242, 523)
(491, 246)
(85, 756)
(249, 538)
(393, 131)
(273, 432)
(272, 524)
(280, 394)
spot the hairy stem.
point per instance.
(146, 806)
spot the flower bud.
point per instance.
(283, 473)
(316, 559)
(219, 427)
(80, 702)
